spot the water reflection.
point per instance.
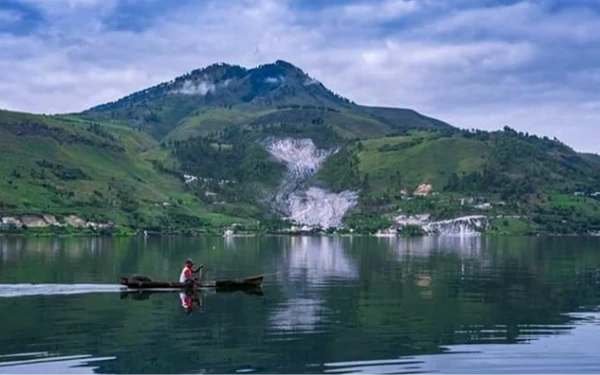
(569, 348)
(315, 259)
(189, 300)
(15, 248)
(309, 264)
(298, 314)
(463, 246)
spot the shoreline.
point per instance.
(126, 232)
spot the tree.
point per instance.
(365, 183)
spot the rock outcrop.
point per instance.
(466, 225)
(75, 221)
(311, 206)
(32, 221)
(51, 220)
(9, 221)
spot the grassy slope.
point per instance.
(430, 157)
(203, 123)
(188, 122)
(403, 162)
(430, 161)
(111, 174)
(400, 117)
(347, 124)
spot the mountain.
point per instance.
(210, 99)
(227, 145)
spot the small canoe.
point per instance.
(250, 282)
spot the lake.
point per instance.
(328, 305)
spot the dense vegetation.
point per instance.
(125, 162)
(515, 173)
(100, 172)
(340, 172)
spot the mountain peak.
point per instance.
(273, 93)
(222, 70)
(278, 68)
(274, 83)
(287, 65)
(216, 71)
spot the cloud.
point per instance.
(375, 11)
(67, 5)
(275, 80)
(474, 55)
(530, 64)
(196, 88)
(533, 20)
(201, 87)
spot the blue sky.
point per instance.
(532, 65)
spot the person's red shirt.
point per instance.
(186, 274)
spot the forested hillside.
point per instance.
(99, 171)
(189, 154)
(505, 172)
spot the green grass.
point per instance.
(348, 124)
(354, 125)
(203, 123)
(419, 158)
(581, 205)
(512, 225)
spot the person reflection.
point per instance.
(189, 298)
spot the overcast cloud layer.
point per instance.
(532, 65)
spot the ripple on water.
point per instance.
(44, 362)
(551, 353)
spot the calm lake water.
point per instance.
(329, 305)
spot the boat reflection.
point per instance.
(190, 299)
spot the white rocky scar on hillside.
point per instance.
(308, 206)
(460, 226)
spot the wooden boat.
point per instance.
(248, 283)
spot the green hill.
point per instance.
(102, 172)
(210, 99)
(480, 161)
(425, 158)
(515, 173)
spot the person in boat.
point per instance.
(187, 274)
